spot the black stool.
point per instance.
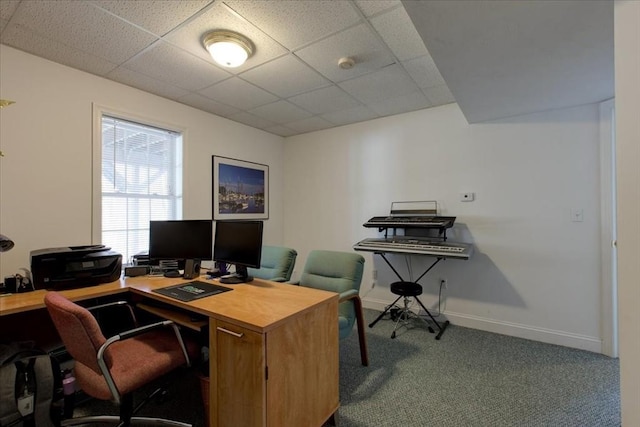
(408, 290)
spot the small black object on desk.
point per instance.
(172, 273)
(214, 272)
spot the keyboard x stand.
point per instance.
(440, 326)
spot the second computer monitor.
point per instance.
(187, 241)
(238, 243)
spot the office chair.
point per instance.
(276, 264)
(112, 369)
(340, 272)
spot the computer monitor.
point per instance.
(238, 243)
(186, 241)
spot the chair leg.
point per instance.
(333, 420)
(364, 357)
(126, 410)
(384, 312)
(405, 314)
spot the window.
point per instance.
(141, 180)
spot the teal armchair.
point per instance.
(340, 272)
(276, 264)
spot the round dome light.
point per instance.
(227, 48)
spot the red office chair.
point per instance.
(111, 369)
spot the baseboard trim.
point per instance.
(518, 330)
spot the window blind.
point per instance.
(141, 181)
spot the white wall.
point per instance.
(534, 274)
(45, 176)
(627, 35)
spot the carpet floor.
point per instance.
(467, 378)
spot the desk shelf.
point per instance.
(181, 318)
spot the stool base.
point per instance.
(404, 313)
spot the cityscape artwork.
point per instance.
(240, 189)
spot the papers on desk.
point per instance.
(191, 291)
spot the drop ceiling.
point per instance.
(291, 85)
(495, 58)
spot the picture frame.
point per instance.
(240, 189)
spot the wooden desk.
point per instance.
(273, 347)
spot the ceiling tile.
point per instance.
(206, 104)
(401, 104)
(189, 37)
(281, 130)
(371, 7)
(144, 82)
(238, 93)
(156, 16)
(296, 23)
(309, 125)
(251, 120)
(424, 71)
(82, 26)
(7, 8)
(358, 42)
(389, 82)
(280, 112)
(286, 76)
(168, 63)
(439, 95)
(350, 115)
(399, 34)
(36, 44)
(324, 100)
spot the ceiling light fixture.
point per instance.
(5, 103)
(227, 48)
(5, 243)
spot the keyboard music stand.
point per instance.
(419, 220)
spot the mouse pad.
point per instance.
(192, 290)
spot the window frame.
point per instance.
(98, 111)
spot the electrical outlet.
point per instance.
(375, 274)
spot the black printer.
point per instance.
(74, 267)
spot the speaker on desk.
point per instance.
(191, 268)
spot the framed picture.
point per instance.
(240, 189)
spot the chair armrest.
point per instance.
(348, 295)
(130, 334)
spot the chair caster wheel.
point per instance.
(431, 330)
(393, 334)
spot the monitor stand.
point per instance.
(240, 276)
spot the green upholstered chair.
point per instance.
(339, 272)
(276, 264)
